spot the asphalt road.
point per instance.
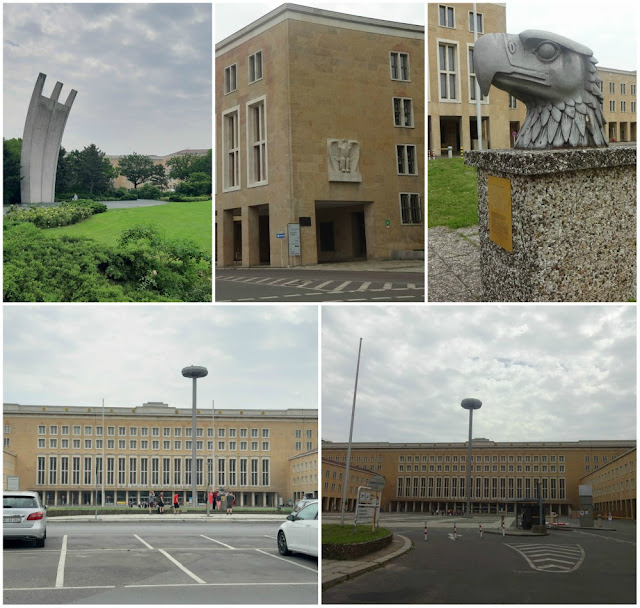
(565, 567)
(158, 563)
(292, 285)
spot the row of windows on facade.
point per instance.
(481, 487)
(257, 153)
(155, 431)
(244, 471)
(221, 446)
(463, 458)
(398, 66)
(511, 468)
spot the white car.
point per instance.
(24, 517)
(300, 532)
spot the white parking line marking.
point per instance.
(618, 540)
(183, 568)
(286, 560)
(63, 558)
(272, 537)
(227, 584)
(213, 540)
(144, 542)
(55, 588)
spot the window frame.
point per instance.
(260, 144)
(398, 66)
(249, 63)
(231, 68)
(410, 208)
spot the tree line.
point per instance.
(89, 173)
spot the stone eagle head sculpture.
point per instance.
(554, 77)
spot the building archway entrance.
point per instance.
(343, 230)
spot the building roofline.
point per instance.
(484, 443)
(318, 15)
(601, 68)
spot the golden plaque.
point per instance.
(500, 212)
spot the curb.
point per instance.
(373, 565)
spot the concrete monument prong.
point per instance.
(194, 372)
(42, 136)
(470, 404)
(554, 77)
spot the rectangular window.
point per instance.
(122, 470)
(410, 210)
(232, 472)
(122, 430)
(623, 88)
(155, 471)
(472, 80)
(144, 471)
(76, 471)
(612, 105)
(255, 67)
(53, 430)
(64, 470)
(254, 471)
(623, 106)
(402, 112)
(612, 87)
(446, 16)
(230, 79)
(480, 28)
(243, 471)
(65, 430)
(87, 470)
(265, 472)
(406, 159)
(98, 469)
(133, 471)
(221, 479)
(257, 142)
(399, 63)
(199, 471)
(53, 443)
(177, 478)
(447, 70)
(53, 470)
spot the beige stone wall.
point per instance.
(463, 108)
(323, 79)
(391, 461)
(622, 124)
(288, 434)
(8, 466)
(303, 475)
(331, 487)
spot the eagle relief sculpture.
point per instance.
(555, 78)
(344, 156)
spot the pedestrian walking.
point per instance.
(219, 502)
(161, 503)
(176, 503)
(230, 499)
(215, 499)
(152, 500)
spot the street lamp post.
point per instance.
(194, 372)
(470, 404)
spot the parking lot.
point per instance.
(166, 562)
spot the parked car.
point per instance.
(300, 531)
(303, 502)
(24, 517)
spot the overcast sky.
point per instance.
(230, 17)
(258, 357)
(610, 31)
(543, 373)
(142, 72)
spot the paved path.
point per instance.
(454, 265)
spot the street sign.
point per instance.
(377, 482)
(280, 235)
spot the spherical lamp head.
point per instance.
(471, 404)
(194, 371)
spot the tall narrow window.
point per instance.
(254, 471)
(399, 64)
(446, 16)
(64, 470)
(177, 477)
(406, 159)
(257, 142)
(447, 69)
(402, 112)
(410, 210)
(133, 471)
(265, 472)
(230, 79)
(53, 470)
(480, 28)
(472, 80)
(255, 67)
(76, 471)
(221, 479)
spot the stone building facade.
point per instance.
(614, 486)
(432, 476)
(451, 99)
(62, 452)
(320, 138)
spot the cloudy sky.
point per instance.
(258, 357)
(542, 372)
(613, 41)
(142, 72)
(229, 17)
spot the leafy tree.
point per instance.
(195, 185)
(64, 173)
(204, 164)
(159, 177)
(137, 168)
(180, 167)
(11, 149)
(92, 171)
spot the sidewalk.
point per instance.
(168, 516)
(362, 265)
(454, 265)
(336, 571)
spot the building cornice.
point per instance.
(485, 444)
(321, 17)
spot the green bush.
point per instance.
(196, 184)
(181, 198)
(49, 217)
(93, 206)
(145, 267)
(149, 192)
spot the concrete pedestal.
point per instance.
(572, 225)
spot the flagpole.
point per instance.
(353, 411)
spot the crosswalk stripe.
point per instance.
(323, 284)
(364, 286)
(341, 286)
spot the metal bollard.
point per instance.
(481, 535)
(425, 531)
(450, 151)
(455, 532)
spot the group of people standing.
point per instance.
(216, 499)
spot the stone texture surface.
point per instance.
(573, 222)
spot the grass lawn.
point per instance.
(453, 193)
(335, 534)
(174, 220)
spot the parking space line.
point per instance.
(213, 540)
(58, 588)
(63, 559)
(144, 542)
(286, 560)
(183, 568)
